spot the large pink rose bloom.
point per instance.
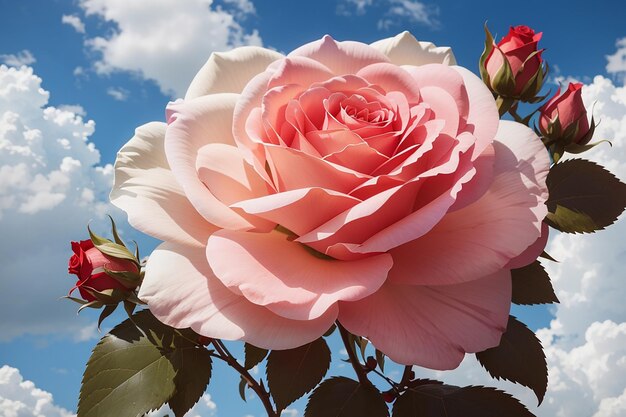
(369, 184)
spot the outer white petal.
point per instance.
(147, 191)
(229, 72)
(404, 49)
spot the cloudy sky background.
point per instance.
(79, 76)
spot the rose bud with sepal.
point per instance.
(107, 274)
(564, 125)
(513, 69)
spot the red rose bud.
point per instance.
(96, 271)
(514, 68)
(564, 117)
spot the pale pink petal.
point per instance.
(359, 157)
(194, 124)
(229, 72)
(182, 292)
(392, 78)
(445, 77)
(432, 326)
(341, 57)
(292, 209)
(404, 49)
(483, 114)
(531, 253)
(444, 107)
(147, 191)
(297, 70)
(282, 275)
(484, 236)
(480, 183)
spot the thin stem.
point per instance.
(406, 376)
(517, 117)
(358, 367)
(390, 381)
(227, 357)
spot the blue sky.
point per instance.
(83, 64)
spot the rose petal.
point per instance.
(484, 236)
(288, 208)
(346, 57)
(392, 78)
(404, 49)
(229, 72)
(272, 271)
(483, 113)
(432, 326)
(182, 292)
(147, 191)
(194, 124)
(531, 253)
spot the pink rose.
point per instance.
(88, 264)
(564, 117)
(370, 184)
(519, 50)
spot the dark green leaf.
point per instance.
(344, 397)
(584, 197)
(253, 355)
(191, 380)
(294, 372)
(519, 359)
(531, 285)
(134, 370)
(436, 400)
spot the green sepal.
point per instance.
(504, 81)
(91, 304)
(110, 248)
(130, 280)
(106, 312)
(575, 148)
(129, 307)
(546, 255)
(504, 104)
(489, 45)
(116, 235)
(108, 296)
(74, 299)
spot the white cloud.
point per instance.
(585, 344)
(290, 412)
(617, 62)
(243, 8)
(119, 94)
(164, 40)
(23, 57)
(20, 398)
(74, 21)
(77, 109)
(205, 407)
(51, 185)
(397, 12)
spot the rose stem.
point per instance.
(226, 356)
(358, 367)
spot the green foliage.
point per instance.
(584, 197)
(531, 285)
(253, 355)
(294, 372)
(345, 397)
(438, 400)
(519, 358)
(141, 365)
